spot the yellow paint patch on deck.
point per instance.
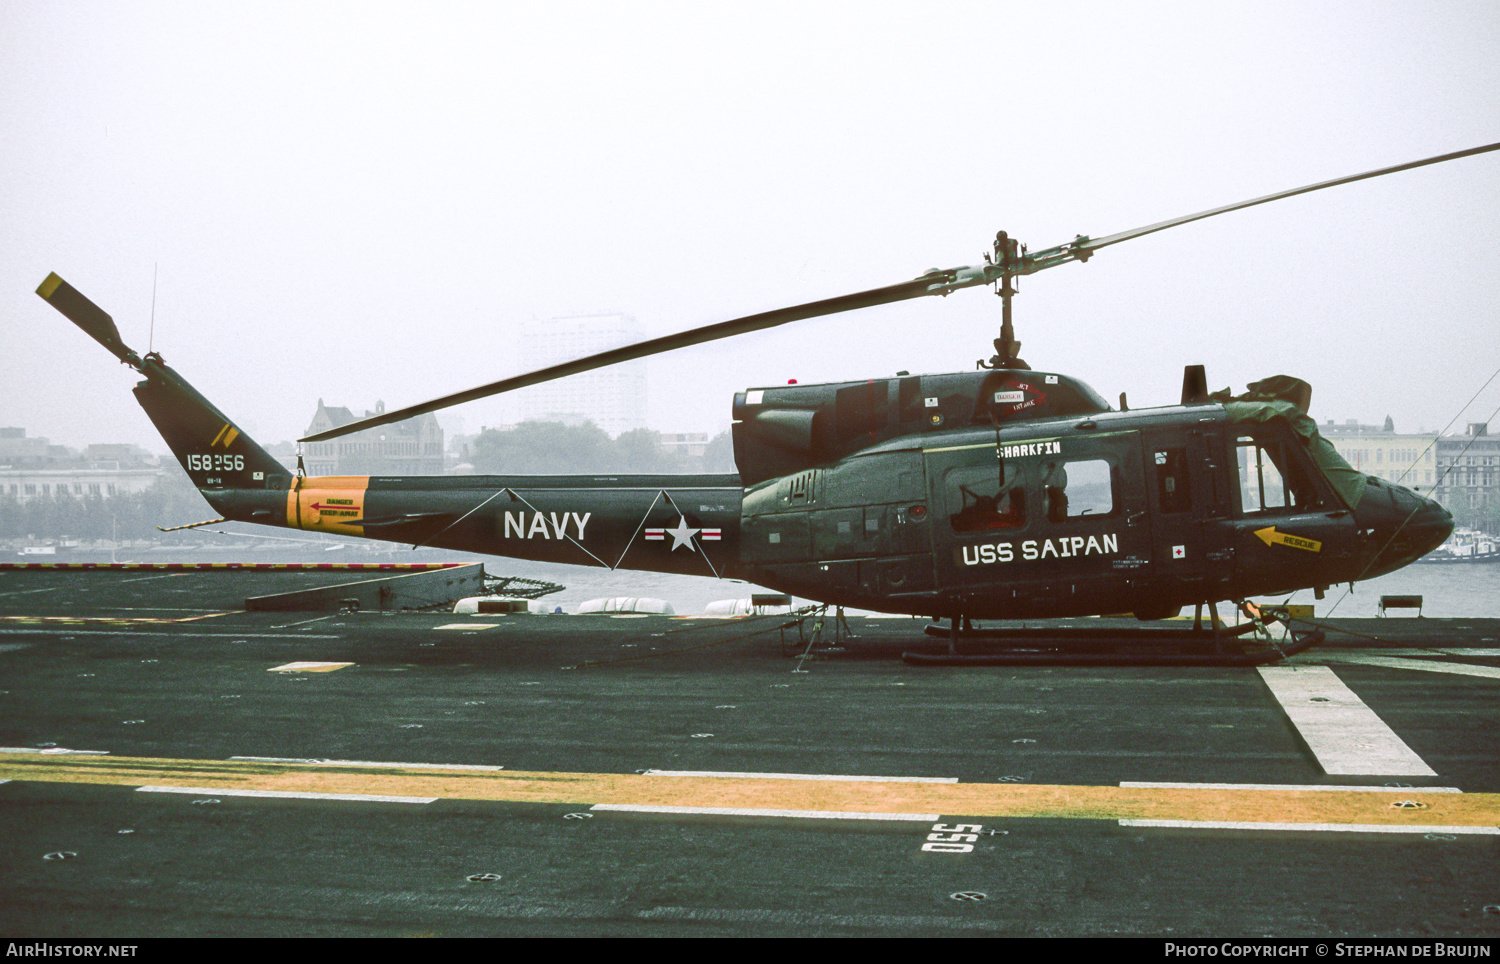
(307, 667)
(951, 799)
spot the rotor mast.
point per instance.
(1006, 255)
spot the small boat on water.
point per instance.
(1465, 545)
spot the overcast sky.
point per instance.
(365, 201)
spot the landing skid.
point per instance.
(1216, 646)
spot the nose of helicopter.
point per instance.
(1400, 525)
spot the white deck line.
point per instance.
(795, 776)
(308, 667)
(1332, 654)
(752, 812)
(51, 750)
(1343, 733)
(287, 794)
(1319, 827)
(1426, 665)
(1286, 786)
(368, 763)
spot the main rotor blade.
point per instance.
(696, 336)
(1094, 244)
(932, 283)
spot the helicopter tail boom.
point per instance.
(680, 524)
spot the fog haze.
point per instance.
(366, 201)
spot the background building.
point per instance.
(1462, 472)
(31, 468)
(412, 447)
(689, 445)
(1381, 451)
(1470, 467)
(613, 398)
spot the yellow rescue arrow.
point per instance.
(1271, 537)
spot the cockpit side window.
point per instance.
(1271, 478)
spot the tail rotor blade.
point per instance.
(86, 315)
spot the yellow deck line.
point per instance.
(105, 620)
(954, 799)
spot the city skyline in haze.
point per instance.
(375, 199)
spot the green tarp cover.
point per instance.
(1347, 481)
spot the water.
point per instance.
(1450, 590)
(1453, 590)
(1447, 590)
(689, 595)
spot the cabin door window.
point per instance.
(979, 498)
(1173, 490)
(1076, 489)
